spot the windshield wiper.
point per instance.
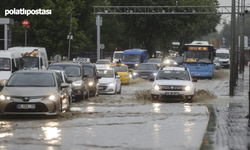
(177, 78)
(164, 78)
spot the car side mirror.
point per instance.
(118, 76)
(64, 85)
(98, 77)
(194, 80)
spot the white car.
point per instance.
(110, 83)
(103, 63)
(173, 83)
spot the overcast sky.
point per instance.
(228, 17)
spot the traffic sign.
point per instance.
(25, 23)
(57, 58)
(102, 46)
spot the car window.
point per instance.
(172, 75)
(59, 80)
(89, 71)
(106, 73)
(71, 71)
(32, 80)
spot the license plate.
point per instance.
(101, 88)
(171, 93)
(26, 106)
(197, 74)
(144, 76)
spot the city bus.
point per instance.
(198, 58)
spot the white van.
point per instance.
(34, 57)
(9, 63)
(223, 55)
(117, 56)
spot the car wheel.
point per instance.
(87, 95)
(120, 91)
(83, 96)
(155, 97)
(68, 104)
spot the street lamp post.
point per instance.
(70, 36)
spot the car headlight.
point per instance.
(130, 76)
(52, 97)
(126, 75)
(77, 83)
(157, 87)
(155, 74)
(136, 65)
(112, 84)
(187, 88)
(167, 61)
(3, 81)
(134, 74)
(175, 63)
(91, 83)
(3, 97)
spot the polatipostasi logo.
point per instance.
(27, 12)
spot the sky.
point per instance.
(228, 17)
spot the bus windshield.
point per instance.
(131, 57)
(117, 55)
(197, 56)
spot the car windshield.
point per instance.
(154, 61)
(179, 58)
(117, 55)
(120, 68)
(31, 63)
(106, 73)
(88, 71)
(31, 80)
(5, 64)
(147, 67)
(131, 57)
(222, 55)
(102, 62)
(172, 75)
(71, 71)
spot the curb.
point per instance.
(208, 140)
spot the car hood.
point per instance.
(102, 65)
(106, 80)
(28, 91)
(122, 73)
(172, 82)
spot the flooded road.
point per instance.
(112, 122)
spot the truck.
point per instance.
(223, 55)
(9, 63)
(117, 56)
(33, 57)
(133, 57)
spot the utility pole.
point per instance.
(70, 36)
(232, 52)
(98, 24)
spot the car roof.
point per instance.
(103, 60)
(148, 63)
(174, 68)
(66, 64)
(35, 71)
(105, 68)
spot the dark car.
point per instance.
(75, 73)
(155, 61)
(146, 71)
(93, 78)
(179, 60)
